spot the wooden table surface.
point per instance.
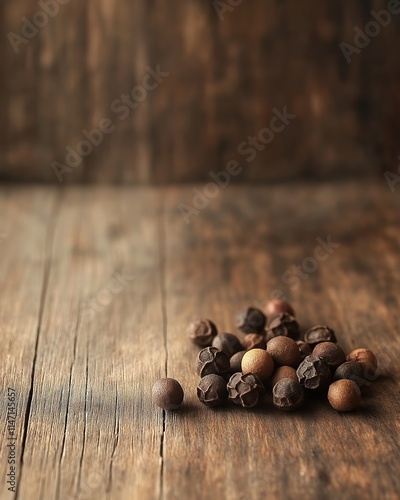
(97, 288)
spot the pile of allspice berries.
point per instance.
(270, 357)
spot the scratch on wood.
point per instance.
(67, 410)
(116, 439)
(84, 424)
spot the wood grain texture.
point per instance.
(225, 79)
(89, 347)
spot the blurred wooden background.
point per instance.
(225, 78)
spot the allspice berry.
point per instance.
(314, 374)
(319, 333)
(288, 394)
(366, 359)
(305, 349)
(277, 306)
(284, 351)
(283, 372)
(344, 395)
(212, 390)
(236, 362)
(352, 371)
(202, 332)
(254, 341)
(259, 362)
(251, 320)
(167, 394)
(227, 343)
(245, 389)
(283, 324)
(211, 360)
(331, 353)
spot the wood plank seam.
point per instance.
(49, 241)
(163, 294)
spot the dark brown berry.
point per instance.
(167, 394)
(254, 341)
(211, 360)
(245, 389)
(283, 325)
(283, 372)
(305, 349)
(314, 374)
(331, 353)
(288, 394)
(251, 320)
(227, 343)
(202, 332)
(319, 333)
(212, 390)
(236, 362)
(276, 306)
(352, 371)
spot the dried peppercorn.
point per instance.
(227, 343)
(259, 362)
(288, 394)
(276, 306)
(284, 351)
(314, 374)
(319, 333)
(167, 393)
(344, 395)
(254, 341)
(283, 325)
(366, 359)
(236, 362)
(212, 390)
(283, 372)
(245, 389)
(251, 320)
(211, 360)
(305, 349)
(331, 353)
(202, 332)
(352, 371)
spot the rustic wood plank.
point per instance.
(92, 430)
(26, 219)
(234, 253)
(226, 77)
